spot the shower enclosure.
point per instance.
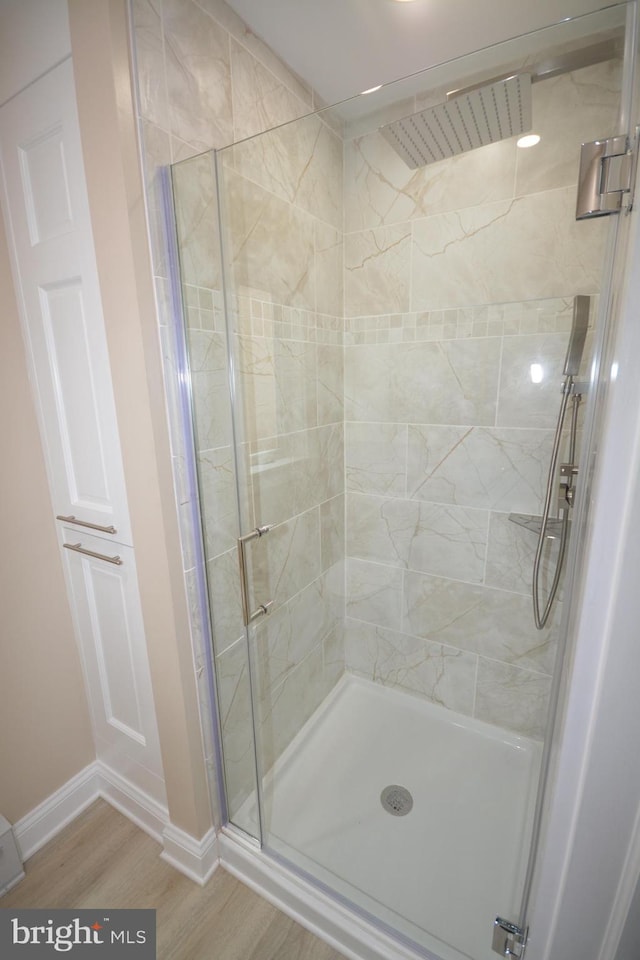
(376, 353)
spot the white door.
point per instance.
(48, 219)
(47, 215)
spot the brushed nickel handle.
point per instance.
(85, 523)
(264, 608)
(89, 553)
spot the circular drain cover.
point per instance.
(396, 800)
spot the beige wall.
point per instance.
(34, 36)
(45, 734)
(101, 66)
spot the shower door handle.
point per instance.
(264, 608)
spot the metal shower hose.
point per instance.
(567, 391)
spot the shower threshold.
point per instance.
(439, 874)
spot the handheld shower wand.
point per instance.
(571, 369)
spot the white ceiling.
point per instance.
(341, 47)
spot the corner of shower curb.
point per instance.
(323, 916)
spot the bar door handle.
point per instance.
(263, 608)
(85, 523)
(78, 548)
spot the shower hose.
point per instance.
(567, 391)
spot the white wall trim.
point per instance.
(133, 803)
(51, 816)
(197, 859)
(325, 917)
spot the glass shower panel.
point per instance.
(392, 343)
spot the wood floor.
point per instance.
(103, 860)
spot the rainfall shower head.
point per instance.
(469, 119)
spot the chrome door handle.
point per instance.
(264, 608)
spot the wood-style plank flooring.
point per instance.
(102, 860)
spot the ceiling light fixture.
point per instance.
(370, 90)
(529, 140)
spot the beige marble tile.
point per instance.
(374, 593)
(454, 381)
(275, 650)
(210, 388)
(492, 623)
(296, 385)
(330, 382)
(329, 251)
(377, 270)
(273, 479)
(513, 698)
(260, 100)
(446, 541)
(381, 189)
(299, 162)
(333, 656)
(478, 466)
(292, 634)
(375, 458)
(197, 222)
(440, 674)
(198, 75)
(319, 456)
(216, 474)
(270, 244)
(223, 586)
(568, 110)
(257, 377)
(151, 80)
(288, 559)
(289, 706)
(521, 401)
(528, 248)
(332, 531)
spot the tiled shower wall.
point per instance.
(459, 277)
(204, 80)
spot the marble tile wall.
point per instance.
(204, 81)
(458, 278)
(390, 331)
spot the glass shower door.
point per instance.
(394, 340)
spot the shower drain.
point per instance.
(396, 800)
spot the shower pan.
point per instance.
(376, 353)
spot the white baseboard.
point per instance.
(344, 930)
(195, 858)
(53, 814)
(133, 803)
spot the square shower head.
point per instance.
(470, 119)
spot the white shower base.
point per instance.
(438, 875)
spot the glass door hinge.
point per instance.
(509, 940)
(606, 177)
